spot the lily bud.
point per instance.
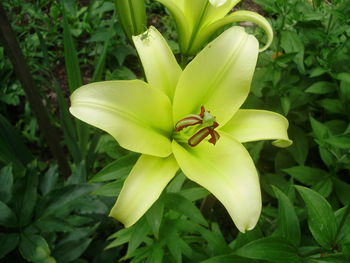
(132, 16)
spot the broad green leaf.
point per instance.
(7, 216)
(228, 259)
(61, 198)
(319, 129)
(157, 254)
(216, 241)
(194, 193)
(8, 242)
(116, 169)
(342, 142)
(34, 248)
(321, 87)
(324, 186)
(180, 204)
(321, 218)
(287, 221)
(71, 250)
(247, 237)
(270, 248)
(6, 182)
(291, 43)
(306, 175)
(332, 106)
(53, 224)
(342, 190)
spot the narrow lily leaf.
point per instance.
(228, 62)
(228, 259)
(254, 125)
(155, 54)
(270, 248)
(154, 216)
(182, 205)
(119, 108)
(142, 188)
(288, 223)
(140, 231)
(228, 172)
(116, 169)
(321, 218)
(238, 16)
(307, 175)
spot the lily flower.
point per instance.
(198, 20)
(188, 120)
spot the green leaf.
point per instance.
(342, 142)
(34, 248)
(61, 198)
(49, 180)
(319, 129)
(12, 148)
(324, 187)
(332, 106)
(6, 182)
(270, 248)
(342, 190)
(291, 43)
(287, 221)
(194, 193)
(228, 259)
(116, 169)
(216, 241)
(140, 231)
(71, 250)
(180, 204)
(53, 224)
(7, 217)
(321, 219)
(321, 87)
(26, 196)
(111, 189)
(306, 175)
(300, 147)
(121, 237)
(154, 216)
(8, 242)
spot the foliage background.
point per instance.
(47, 217)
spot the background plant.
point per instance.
(306, 192)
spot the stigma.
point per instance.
(202, 124)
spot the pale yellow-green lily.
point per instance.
(198, 20)
(162, 119)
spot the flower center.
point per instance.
(194, 128)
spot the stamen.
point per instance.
(207, 127)
(188, 121)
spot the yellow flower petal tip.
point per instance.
(188, 120)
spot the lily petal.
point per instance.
(206, 32)
(143, 187)
(176, 9)
(228, 172)
(219, 77)
(119, 108)
(156, 55)
(256, 125)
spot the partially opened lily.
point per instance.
(188, 120)
(198, 20)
